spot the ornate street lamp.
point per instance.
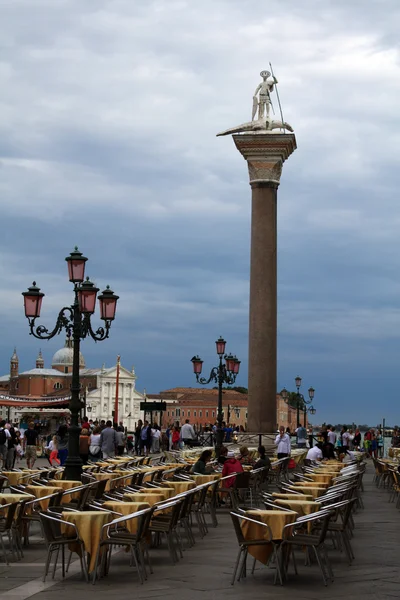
(301, 402)
(76, 321)
(223, 373)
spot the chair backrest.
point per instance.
(238, 519)
(242, 480)
(9, 511)
(51, 525)
(273, 506)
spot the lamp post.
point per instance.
(76, 321)
(223, 373)
(301, 402)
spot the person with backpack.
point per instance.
(4, 435)
(301, 434)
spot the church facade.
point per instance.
(98, 386)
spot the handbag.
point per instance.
(291, 464)
(94, 450)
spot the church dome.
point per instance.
(64, 356)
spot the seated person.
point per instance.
(222, 455)
(263, 460)
(347, 456)
(231, 465)
(314, 454)
(200, 467)
(244, 457)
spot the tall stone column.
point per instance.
(265, 153)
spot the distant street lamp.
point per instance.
(301, 402)
(223, 373)
(75, 320)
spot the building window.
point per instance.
(183, 413)
(89, 385)
(194, 414)
(16, 385)
(213, 413)
(207, 413)
(57, 386)
(188, 413)
(65, 369)
(168, 413)
(200, 413)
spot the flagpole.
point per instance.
(116, 391)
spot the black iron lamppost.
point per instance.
(301, 402)
(75, 320)
(223, 373)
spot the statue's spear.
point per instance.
(277, 94)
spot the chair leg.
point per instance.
(254, 566)
(236, 565)
(55, 561)
(47, 564)
(319, 561)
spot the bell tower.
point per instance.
(40, 361)
(14, 363)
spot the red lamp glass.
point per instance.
(76, 266)
(220, 343)
(33, 301)
(87, 297)
(108, 304)
(298, 382)
(311, 392)
(230, 359)
(236, 365)
(197, 364)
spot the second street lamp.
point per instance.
(75, 320)
(300, 401)
(223, 373)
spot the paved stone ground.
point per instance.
(205, 571)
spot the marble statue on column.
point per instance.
(261, 102)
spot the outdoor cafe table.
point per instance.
(180, 486)
(276, 519)
(322, 477)
(89, 525)
(309, 484)
(39, 491)
(294, 496)
(108, 476)
(302, 507)
(151, 499)
(200, 479)
(66, 484)
(13, 499)
(168, 492)
(125, 509)
(314, 491)
(17, 477)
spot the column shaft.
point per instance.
(263, 309)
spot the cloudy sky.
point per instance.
(108, 116)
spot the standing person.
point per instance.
(62, 443)
(4, 436)
(188, 434)
(175, 437)
(145, 439)
(301, 436)
(12, 443)
(282, 441)
(84, 443)
(357, 439)
(155, 439)
(345, 438)
(30, 439)
(137, 436)
(108, 441)
(380, 442)
(53, 458)
(374, 444)
(367, 442)
(121, 440)
(94, 446)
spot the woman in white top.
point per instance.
(94, 445)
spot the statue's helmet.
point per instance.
(265, 73)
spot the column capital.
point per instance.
(265, 154)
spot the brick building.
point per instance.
(200, 405)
